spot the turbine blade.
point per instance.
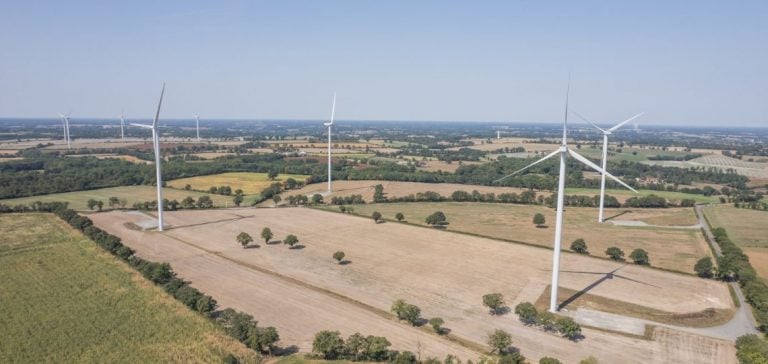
(142, 125)
(550, 155)
(565, 119)
(589, 163)
(160, 103)
(333, 108)
(626, 121)
(590, 123)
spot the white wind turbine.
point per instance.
(122, 125)
(606, 133)
(563, 151)
(156, 144)
(329, 124)
(65, 125)
(197, 126)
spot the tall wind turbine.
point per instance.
(156, 144)
(122, 125)
(606, 133)
(197, 126)
(329, 124)
(65, 122)
(564, 152)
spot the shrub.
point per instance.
(437, 324)
(704, 267)
(291, 240)
(640, 256)
(399, 216)
(406, 311)
(579, 246)
(376, 216)
(539, 220)
(499, 341)
(339, 256)
(615, 253)
(527, 313)
(436, 218)
(568, 328)
(328, 344)
(495, 302)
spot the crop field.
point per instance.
(667, 245)
(65, 300)
(302, 290)
(622, 194)
(747, 229)
(749, 169)
(78, 200)
(251, 183)
(629, 154)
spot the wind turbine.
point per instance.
(606, 133)
(498, 134)
(564, 152)
(65, 122)
(122, 125)
(156, 144)
(197, 125)
(329, 124)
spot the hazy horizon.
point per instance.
(683, 64)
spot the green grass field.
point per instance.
(78, 200)
(65, 300)
(250, 183)
(627, 154)
(668, 247)
(624, 194)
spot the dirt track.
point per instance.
(444, 273)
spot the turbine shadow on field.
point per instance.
(209, 222)
(605, 276)
(617, 215)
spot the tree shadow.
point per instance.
(288, 350)
(275, 242)
(381, 221)
(542, 226)
(420, 322)
(345, 262)
(501, 311)
(444, 331)
(253, 246)
(298, 247)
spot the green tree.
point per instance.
(317, 199)
(339, 256)
(495, 302)
(113, 201)
(204, 202)
(91, 204)
(266, 234)
(376, 216)
(539, 220)
(188, 203)
(378, 193)
(328, 344)
(213, 189)
(290, 183)
(437, 218)
(244, 239)
(99, 204)
(640, 256)
(406, 311)
(437, 324)
(527, 313)
(499, 341)
(513, 357)
(568, 327)
(579, 246)
(546, 320)
(262, 339)
(589, 360)
(188, 187)
(548, 360)
(238, 199)
(276, 199)
(615, 253)
(291, 240)
(704, 267)
(272, 174)
(399, 216)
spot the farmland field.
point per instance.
(747, 229)
(302, 290)
(251, 183)
(68, 301)
(78, 200)
(746, 168)
(668, 247)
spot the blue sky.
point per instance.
(682, 62)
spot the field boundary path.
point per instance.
(743, 321)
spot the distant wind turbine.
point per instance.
(156, 144)
(197, 126)
(606, 133)
(329, 125)
(122, 125)
(65, 122)
(564, 152)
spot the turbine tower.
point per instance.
(197, 126)
(122, 125)
(329, 124)
(564, 152)
(156, 144)
(606, 133)
(498, 134)
(65, 124)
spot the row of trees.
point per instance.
(565, 326)
(638, 256)
(203, 202)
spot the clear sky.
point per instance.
(682, 62)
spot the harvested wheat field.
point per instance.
(250, 182)
(444, 273)
(669, 246)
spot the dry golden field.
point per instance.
(303, 290)
(251, 183)
(747, 228)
